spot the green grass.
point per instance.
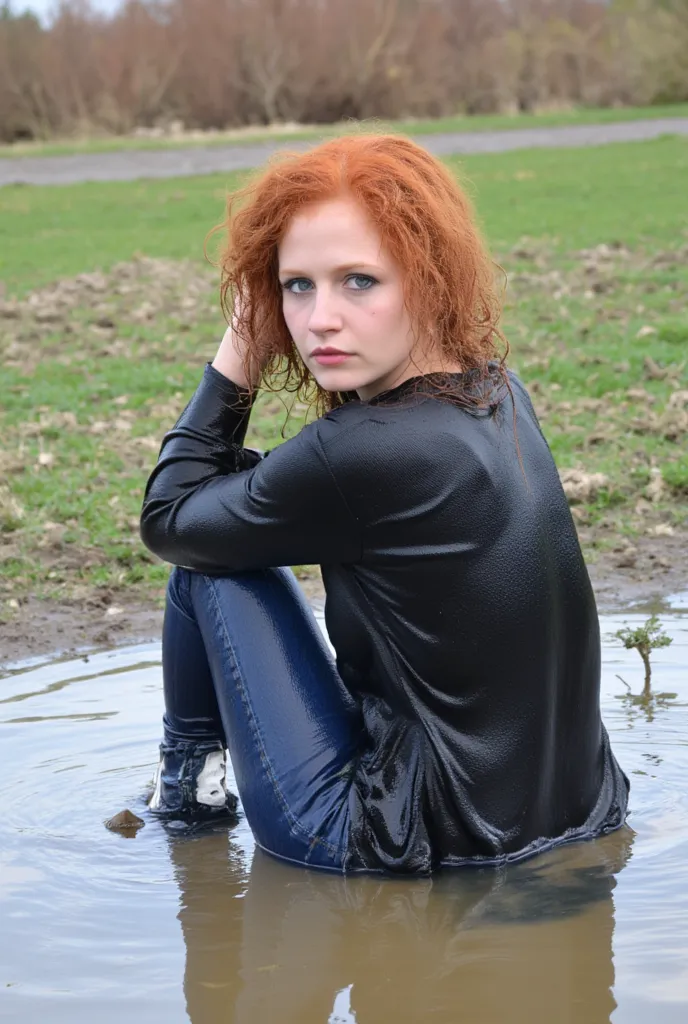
(418, 126)
(629, 191)
(92, 382)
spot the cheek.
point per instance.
(387, 317)
(294, 321)
(292, 318)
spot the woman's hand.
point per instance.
(231, 355)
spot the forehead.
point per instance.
(337, 228)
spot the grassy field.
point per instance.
(418, 126)
(109, 314)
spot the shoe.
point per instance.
(190, 783)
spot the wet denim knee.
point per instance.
(291, 728)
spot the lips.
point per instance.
(329, 356)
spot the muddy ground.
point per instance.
(103, 620)
(644, 574)
(599, 337)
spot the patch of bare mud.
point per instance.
(646, 571)
(97, 315)
(102, 619)
(95, 306)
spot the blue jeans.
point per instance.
(244, 661)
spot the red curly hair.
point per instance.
(426, 223)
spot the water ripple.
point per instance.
(79, 740)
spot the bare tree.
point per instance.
(215, 63)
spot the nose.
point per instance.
(324, 315)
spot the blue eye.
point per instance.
(370, 281)
(364, 283)
(287, 286)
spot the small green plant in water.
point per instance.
(643, 639)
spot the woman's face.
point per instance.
(342, 292)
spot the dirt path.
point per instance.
(172, 163)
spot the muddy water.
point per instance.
(172, 927)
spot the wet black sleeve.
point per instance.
(208, 508)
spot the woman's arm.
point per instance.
(229, 360)
(205, 511)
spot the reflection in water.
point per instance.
(644, 706)
(90, 920)
(528, 942)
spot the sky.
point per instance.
(43, 8)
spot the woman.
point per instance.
(460, 724)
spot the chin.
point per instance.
(334, 379)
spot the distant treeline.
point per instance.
(226, 63)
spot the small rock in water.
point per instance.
(125, 821)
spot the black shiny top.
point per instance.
(458, 604)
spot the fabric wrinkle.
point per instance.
(457, 601)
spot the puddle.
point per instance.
(679, 602)
(165, 928)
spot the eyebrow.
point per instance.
(345, 266)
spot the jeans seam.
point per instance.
(177, 605)
(316, 838)
(294, 824)
(333, 869)
(334, 851)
